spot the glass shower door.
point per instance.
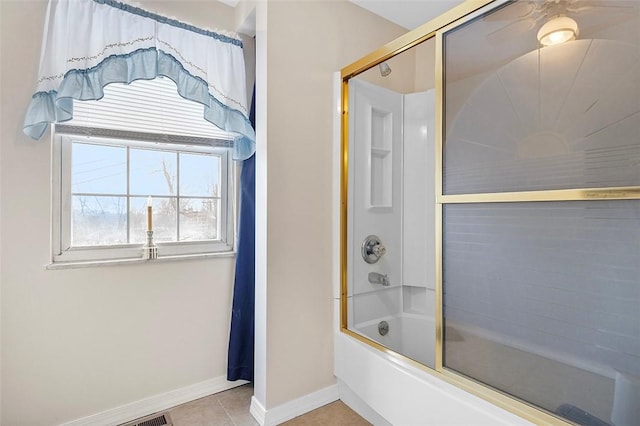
(541, 207)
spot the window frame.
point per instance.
(61, 249)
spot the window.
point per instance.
(104, 176)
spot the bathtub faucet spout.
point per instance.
(376, 278)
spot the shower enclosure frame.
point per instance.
(436, 28)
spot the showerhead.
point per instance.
(385, 70)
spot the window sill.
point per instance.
(120, 262)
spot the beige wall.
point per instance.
(209, 14)
(403, 73)
(76, 342)
(307, 42)
(411, 71)
(425, 54)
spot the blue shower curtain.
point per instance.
(240, 356)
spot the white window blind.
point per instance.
(145, 107)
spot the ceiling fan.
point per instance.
(525, 15)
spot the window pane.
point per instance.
(199, 219)
(153, 172)
(98, 169)
(541, 300)
(138, 218)
(199, 175)
(164, 219)
(98, 220)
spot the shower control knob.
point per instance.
(372, 249)
(379, 250)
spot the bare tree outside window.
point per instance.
(110, 186)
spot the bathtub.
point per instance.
(408, 334)
(388, 390)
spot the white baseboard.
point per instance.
(257, 410)
(154, 404)
(295, 408)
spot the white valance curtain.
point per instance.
(88, 44)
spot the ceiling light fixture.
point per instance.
(558, 30)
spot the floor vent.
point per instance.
(162, 419)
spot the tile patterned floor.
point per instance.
(231, 408)
(334, 414)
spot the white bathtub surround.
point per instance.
(372, 305)
(418, 186)
(418, 300)
(392, 196)
(626, 400)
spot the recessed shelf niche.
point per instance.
(381, 177)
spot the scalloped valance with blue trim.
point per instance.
(88, 44)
